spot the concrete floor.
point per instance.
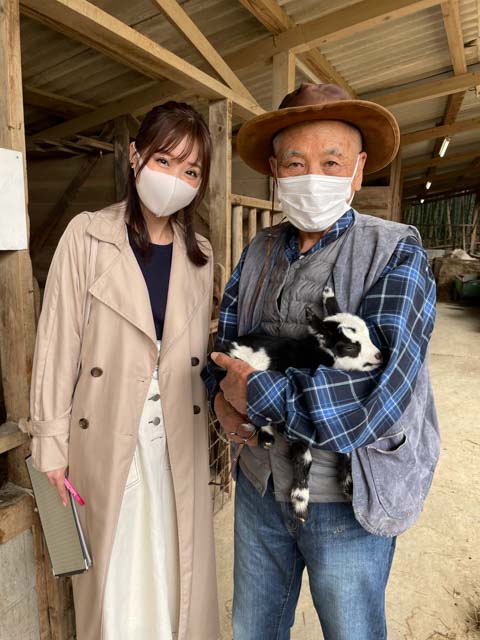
(434, 589)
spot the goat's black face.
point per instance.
(347, 339)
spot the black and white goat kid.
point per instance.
(339, 340)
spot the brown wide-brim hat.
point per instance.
(315, 102)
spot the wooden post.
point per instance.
(476, 215)
(17, 315)
(449, 226)
(17, 322)
(252, 224)
(220, 122)
(396, 188)
(17, 307)
(283, 76)
(265, 219)
(121, 143)
(237, 233)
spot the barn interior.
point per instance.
(76, 79)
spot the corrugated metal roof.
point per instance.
(398, 52)
(420, 115)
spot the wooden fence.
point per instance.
(250, 215)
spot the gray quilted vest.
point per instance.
(392, 475)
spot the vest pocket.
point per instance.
(392, 463)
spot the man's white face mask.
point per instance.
(314, 202)
(162, 193)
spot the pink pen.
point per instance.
(74, 492)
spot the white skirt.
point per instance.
(142, 588)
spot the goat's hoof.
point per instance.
(302, 517)
(266, 443)
(328, 293)
(266, 437)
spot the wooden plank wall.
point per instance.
(246, 181)
(48, 180)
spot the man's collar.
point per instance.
(340, 226)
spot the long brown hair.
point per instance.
(164, 128)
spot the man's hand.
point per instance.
(234, 385)
(56, 479)
(232, 422)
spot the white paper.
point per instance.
(13, 214)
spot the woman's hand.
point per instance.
(56, 479)
(232, 422)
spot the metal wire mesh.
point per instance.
(219, 455)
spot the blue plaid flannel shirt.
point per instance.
(343, 410)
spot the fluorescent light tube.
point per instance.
(428, 185)
(443, 148)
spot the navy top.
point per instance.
(155, 267)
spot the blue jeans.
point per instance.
(347, 568)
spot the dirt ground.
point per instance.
(434, 589)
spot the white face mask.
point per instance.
(162, 193)
(314, 202)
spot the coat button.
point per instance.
(83, 423)
(196, 409)
(195, 362)
(96, 372)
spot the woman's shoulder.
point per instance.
(106, 220)
(76, 229)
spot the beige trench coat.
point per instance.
(93, 428)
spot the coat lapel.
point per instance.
(121, 286)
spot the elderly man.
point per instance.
(316, 146)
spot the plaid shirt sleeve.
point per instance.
(339, 410)
(227, 324)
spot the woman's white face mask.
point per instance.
(162, 193)
(315, 202)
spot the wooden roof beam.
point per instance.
(336, 25)
(277, 21)
(454, 105)
(83, 21)
(453, 27)
(455, 186)
(134, 104)
(181, 21)
(425, 163)
(435, 162)
(440, 195)
(429, 90)
(54, 103)
(467, 173)
(442, 131)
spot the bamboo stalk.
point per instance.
(252, 224)
(237, 233)
(265, 219)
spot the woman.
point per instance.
(147, 515)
